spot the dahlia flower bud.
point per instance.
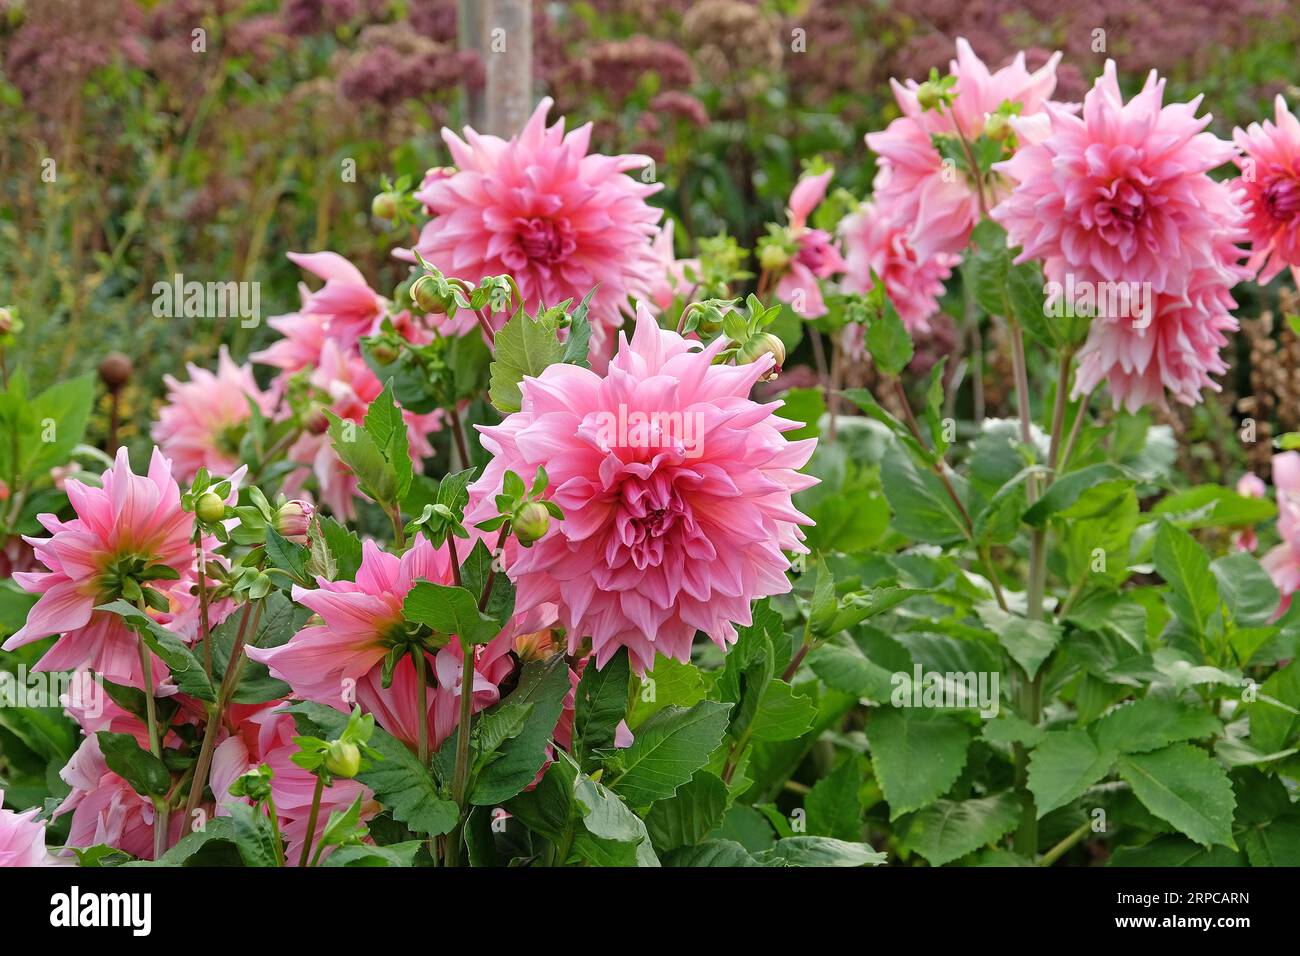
(6, 322)
(210, 507)
(998, 127)
(115, 370)
(384, 206)
(764, 344)
(425, 294)
(773, 258)
(532, 523)
(343, 759)
(315, 421)
(292, 519)
(929, 95)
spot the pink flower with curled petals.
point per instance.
(22, 838)
(540, 207)
(202, 423)
(266, 737)
(676, 489)
(128, 524)
(937, 209)
(815, 254)
(1271, 183)
(873, 244)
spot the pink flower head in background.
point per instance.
(129, 523)
(22, 838)
(202, 423)
(1283, 561)
(669, 528)
(815, 257)
(669, 279)
(873, 244)
(1121, 196)
(937, 209)
(560, 219)
(1249, 485)
(266, 737)
(1271, 181)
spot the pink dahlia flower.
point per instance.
(669, 280)
(1123, 192)
(873, 244)
(202, 423)
(266, 737)
(815, 254)
(937, 209)
(1271, 181)
(127, 524)
(1283, 561)
(1249, 485)
(22, 838)
(541, 208)
(676, 490)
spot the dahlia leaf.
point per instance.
(387, 427)
(1152, 723)
(171, 650)
(1193, 591)
(1063, 765)
(783, 714)
(253, 835)
(668, 749)
(522, 347)
(147, 774)
(1185, 786)
(690, 815)
(289, 557)
(542, 687)
(888, 341)
(833, 807)
(921, 505)
(1066, 490)
(820, 851)
(599, 704)
(916, 757)
(356, 448)
(949, 829)
(613, 835)
(449, 610)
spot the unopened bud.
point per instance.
(773, 258)
(6, 322)
(315, 421)
(760, 345)
(929, 95)
(343, 759)
(384, 206)
(998, 127)
(210, 507)
(425, 294)
(292, 519)
(115, 370)
(384, 353)
(532, 523)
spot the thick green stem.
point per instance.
(1058, 851)
(311, 821)
(155, 746)
(422, 704)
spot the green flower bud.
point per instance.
(532, 523)
(773, 258)
(343, 759)
(998, 127)
(426, 295)
(384, 206)
(315, 421)
(763, 344)
(210, 507)
(929, 95)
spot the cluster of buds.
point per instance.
(526, 508)
(750, 339)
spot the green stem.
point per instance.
(155, 744)
(275, 830)
(1058, 851)
(422, 703)
(311, 821)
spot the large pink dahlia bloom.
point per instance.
(676, 490)
(938, 209)
(559, 219)
(128, 523)
(202, 423)
(22, 838)
(1271, 181)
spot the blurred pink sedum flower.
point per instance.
(542, 208)
(667, 530)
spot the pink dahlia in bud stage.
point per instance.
(874, 245)
(203, 421)
(266, 737)
(293, 518)
(676, 489)
(540, 207)
(669, 280)
(936, 204)
(1283, 561)
(1271, 181)
(22, 838)
(129, 528)
(815, 254)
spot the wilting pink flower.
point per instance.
(1283, 561)
(1249, 485)
(669, 280)
(202, 423)
(815, 254)
(540, 207)
(266, 737)
(676, 490)
(1271, 182)
(129, 523)
(938, 209)
(22, 838)
(873, 244)
(105, 810)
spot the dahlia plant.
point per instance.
(546, 557)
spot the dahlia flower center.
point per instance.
(1119, 210)
(545, 240)
(651, 510)
(1282, 199)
